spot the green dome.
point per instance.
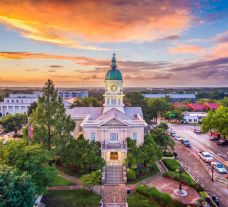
(113, 73)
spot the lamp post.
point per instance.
(181, 170)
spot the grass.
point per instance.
(138, 200)
(144, 176)
(172, 166)
(76, 198)
(61, 181)
(151, 197)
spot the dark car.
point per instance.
(186, 142)
(222, 142)
(215, 138)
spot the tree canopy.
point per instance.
(87, 101)
(31, 159)
(224, 101)
(52, 127)
(13, 122)
(16, 188)
(216, 120)
(91, 179)
(83, 154)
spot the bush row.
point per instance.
(163, 199)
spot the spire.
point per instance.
(113, 65)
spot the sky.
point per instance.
(158, 43)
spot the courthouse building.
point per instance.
(113, 123)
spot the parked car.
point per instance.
(198, 131)
(172, 133)
(186, 142)
(222, 142)
(219, 167)
(206, 157)
(177, 137)
(215, 138)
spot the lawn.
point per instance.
(151, 197)
(60, 181)
(144, 176)
(73, 198)
(172, 166)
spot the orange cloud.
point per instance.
(68, 23)
(186, 49)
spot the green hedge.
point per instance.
(171, 164)
(131, 175)
(163, 199)
(185, 178)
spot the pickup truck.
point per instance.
(206, 157)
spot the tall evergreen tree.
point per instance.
(52, 127)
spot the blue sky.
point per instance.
(158, 43)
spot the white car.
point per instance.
(177, 137)
(206, 157)
(219, 167)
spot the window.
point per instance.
(134, 136)
(113, 137)
(195, 120)
(190, 120)
(93, 136)
(113, 101)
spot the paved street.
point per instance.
(202, 142)
(196, 167)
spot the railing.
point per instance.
(114, 145)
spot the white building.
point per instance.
(194, 117)
(112, 123)
(18, 103)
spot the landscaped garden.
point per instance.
(173, 173)
(151, 197)
(71, 198)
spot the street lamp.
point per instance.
(181, 170)
(180, 192)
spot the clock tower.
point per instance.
(113, 88)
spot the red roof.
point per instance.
(177, 105)
(213, 106)
(196, 106)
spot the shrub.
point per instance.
(186, 179)
(131, 175)
(171, 164)
(167, 154)
(162, 198)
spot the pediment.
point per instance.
(114, 122)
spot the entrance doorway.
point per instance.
(113, 155)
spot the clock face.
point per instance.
(113, 87)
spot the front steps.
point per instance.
(114, 175)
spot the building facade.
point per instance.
(113, 123)
(194, 117)
(18, 103)
(72, 94)
(174, 97)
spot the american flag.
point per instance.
(30, 131)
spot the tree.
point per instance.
(16, 189)
(52, 127)
(89, 180)
(224, 101)
(142, 159)
(87, 101)
(217, 120)
(83, 154)
(31, 159)
(163, 125)
(31, 108)
(13, 122)
(158, 107)
(162, 139)
(176, 115)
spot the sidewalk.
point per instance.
(197, 170)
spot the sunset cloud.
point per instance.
(186, 49)
(71, 23)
